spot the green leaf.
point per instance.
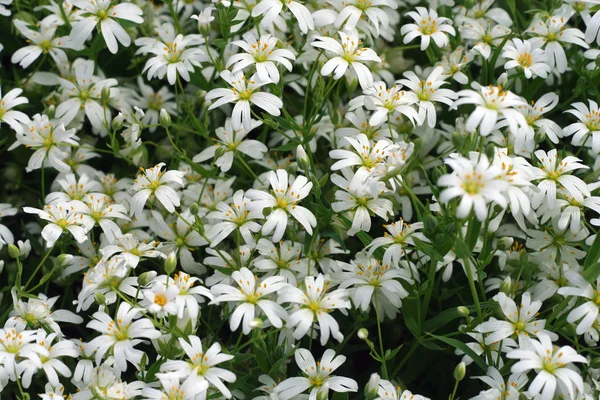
(441, 319)
(593, 253)
(592, 273)
(465, 349)
(340, 396)
(473, 233)
(427, 249)
(461, 250)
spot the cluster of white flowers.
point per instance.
(201, 198)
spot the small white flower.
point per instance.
(493, 105)
(527, 55)
(588, 125)
(476, 182)
(154, 182)
(347, 54)
(316, 302)
(63, 217)
(231, 217)
(130, 250)
(160, 298)
(106, 15)
(316, 375)
(243, 94)
(262, 54)
(283, 202)
(120, 335)
(428, 26)
(587, 312)
(13, 118)
(551, 363)
(270, 10)
(229, 143)
(251, 294)
(200, 365)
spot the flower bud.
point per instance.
(1, 266)
(99, 298)
(302, 158)
(170, 263)
(504, 243)
(63, 260)
(363, 334)
(220, 151)
(118, 121)
(506, 285)
(194, 209)
(165, 118)
(105, 95)
(256, 323)
(372, 386)
(463, 311)
(146, 277)
(460, 371)
(13, 251)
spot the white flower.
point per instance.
(387, 391)
(4, 11)
(587, 312)
(50, 142)
(366, 154)
(130, 250)
(173, 54)
(40, 42)
(105, 14)
(84, 93)
(251, 294)
(398, 237)
(555, 173)
(200, 365)
(270, 10)
(316, 376)
(551, 365)
(172, 389)
(38, 312)
(120, 335)
(476, 182)
(428, 26)
(285, 261)
(229, 143)
(491, 103)
(388, 101)
(179, 238)
(283, 202)
(63, 217)
(6, 236)
(103, 380)
(499, 388)
(484, 35)
(315, 302)
(153, 182)
(262, 54)
(231, 217)
(45, 356)
(553, 242)
(14, 340)
(13, 118)
(552, 33)
(371, 281)
(528, 56)
(160, 298)
(429, 93)
(357, 196)
(588, 125)
(353, 12)
(533, 113)
(520, 321)
(189, 293)
(454, 63)
(243, 95)
(346, 54)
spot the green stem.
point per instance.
(381, 351)
(38, 267)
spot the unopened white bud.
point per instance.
(170, 263)
(460, 371)
(363, 334)
(165, 118)
(372, 386)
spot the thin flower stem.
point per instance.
(245, 164)
(381, 351)
(38, 267)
